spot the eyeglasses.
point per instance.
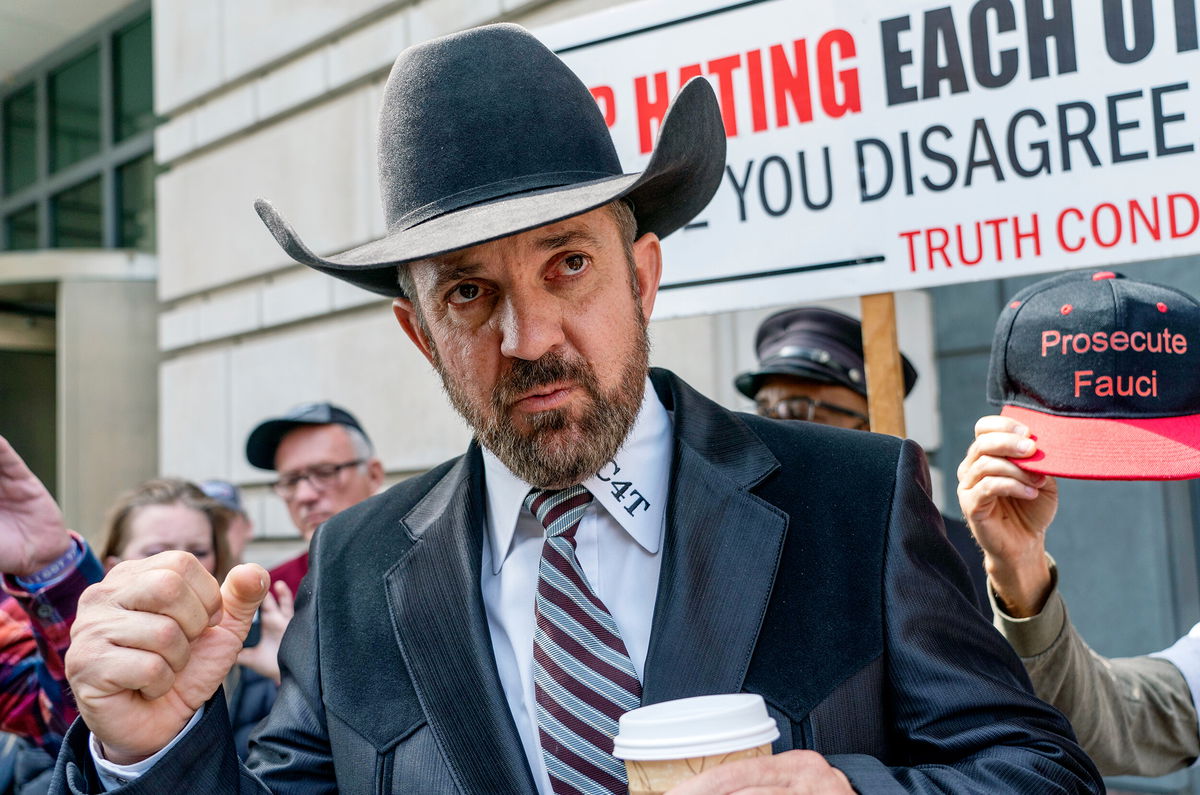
(805, 408)
(320, 477)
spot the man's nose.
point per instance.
(531, 324)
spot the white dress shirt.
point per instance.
(617, 544)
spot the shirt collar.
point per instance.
(632, 487)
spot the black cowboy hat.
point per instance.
(487, 133)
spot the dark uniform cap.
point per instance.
(816, 344)
(264, 440)
(225, 493)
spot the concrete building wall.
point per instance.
(107, 401)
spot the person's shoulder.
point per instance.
(707, 420)
(361, 528)
(855, 470)
(809, 439)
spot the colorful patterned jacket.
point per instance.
(35, 631)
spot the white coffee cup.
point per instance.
(666, 744)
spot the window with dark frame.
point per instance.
(76, 143)
(20, 139)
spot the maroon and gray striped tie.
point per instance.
(582, 672)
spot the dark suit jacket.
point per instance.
(972, 556)
(831, 591)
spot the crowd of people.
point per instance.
(324, 462)
(611, 537)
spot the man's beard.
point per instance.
(557, 450)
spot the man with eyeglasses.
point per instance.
(325, 463)
(811, 367)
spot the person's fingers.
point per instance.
(243, 590)
(269, 606)
(994, 423)
(198, 578)
(166, 592)
(997, 443)
(132, 669)
(12, 466)
(993, 466)
(970, 474)
(993, 488)
(789, 771)
(283, 595)
(150, 632)
(1009, 445)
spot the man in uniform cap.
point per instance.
(811, 367)
(611, 537)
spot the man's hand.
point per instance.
(1008, 511)
(275, 615)
(798, 772)
(151, 643)
(32, 533)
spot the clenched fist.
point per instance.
(151, 643)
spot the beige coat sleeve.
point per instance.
(1133, 716)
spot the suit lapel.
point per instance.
(721, 553)
(439, 621)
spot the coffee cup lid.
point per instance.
(691, 727)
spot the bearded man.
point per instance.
(611, 538)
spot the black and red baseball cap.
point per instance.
(1105, 372)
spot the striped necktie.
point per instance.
(582, 673)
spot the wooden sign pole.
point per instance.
(885, 376)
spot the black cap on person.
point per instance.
(265, 438)
(816, 344)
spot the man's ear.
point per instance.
(406, 316)
(375, 473)
(647, 259)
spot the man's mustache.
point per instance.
(526, 376)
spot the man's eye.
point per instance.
(464, 293)
(574, 263)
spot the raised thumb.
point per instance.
(241, 593)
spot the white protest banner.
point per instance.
(879, 145)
